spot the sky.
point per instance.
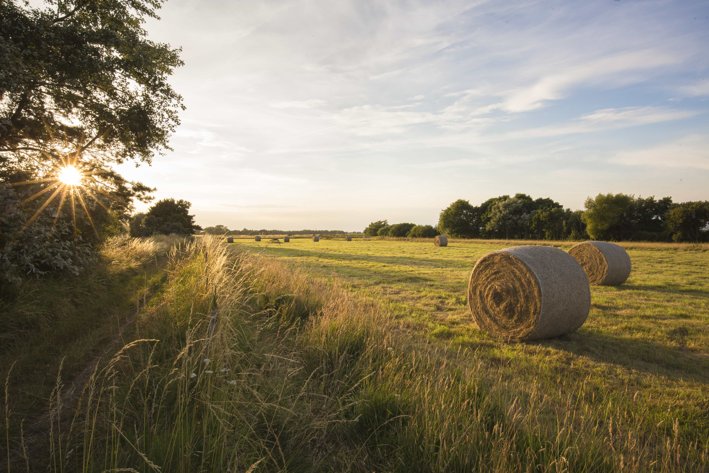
(330, 114)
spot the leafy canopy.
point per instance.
(167, 216)
(80, 77)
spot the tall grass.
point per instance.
(242, 364)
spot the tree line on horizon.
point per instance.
(606, 217)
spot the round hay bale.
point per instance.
(316, 238)
(286, 239)
(348, 238)
(440, 240)
(230, 239)
(528, 293)
(258, 238)
(606, 264)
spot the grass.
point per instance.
(246, 362)
(643, 348)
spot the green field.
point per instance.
(346, 356)
(645, 344)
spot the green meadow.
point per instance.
(346, 357)
(644, 346)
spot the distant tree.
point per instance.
(383, 231)
(511, 217)
(689, 221)
(646, 219)
(169, 216)
(422, 231)
(217, 230)
(374, 227)
(400, 229)
(460, 220)
(548, 223)
(136, 226)
(607, 216)
(574, 226)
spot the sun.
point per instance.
(70, 176)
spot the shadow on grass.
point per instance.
(393, 260)
(642, 355)
(664, 288)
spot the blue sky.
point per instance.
(334, 113)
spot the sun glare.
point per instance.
(70, 176)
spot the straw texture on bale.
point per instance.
(316, 238)
(286, 239)
(606, 264)
(258, 238)
(528, 293)
(230, 239)
(440, 240)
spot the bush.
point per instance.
(48, 244)
(422, 231)
(400, 230)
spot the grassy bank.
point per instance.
(241, 363)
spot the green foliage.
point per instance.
(400, 230)
(460, 220)
(606, 216)
(374, 227)
(166, 217)
(689, 221)
(383, 231)
(422, 231)
(217, 230)
(80, 84)
(82, 75)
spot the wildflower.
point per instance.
(205, 361)
(193, 375)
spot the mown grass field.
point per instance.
(645, 345)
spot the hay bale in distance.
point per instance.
(258, 238)
(440, 240)
(348, 238)
(230, 239)
(528, 293)
(286, 239)
(606, 264)
(316, 238)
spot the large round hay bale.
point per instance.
(528, 293)
(606, 264)
(348, 238)
(258, 238)
(440, 240)
(286, 239)
(230, 239)
(316, 238)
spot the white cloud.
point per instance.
(696, 89)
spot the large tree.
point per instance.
(460, 219)
(167, 216)
(80, 78)
(689, 221)
(82, 85)
(607, 216)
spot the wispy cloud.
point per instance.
(430, 94)
(691, 152)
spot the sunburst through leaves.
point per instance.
(71, 185)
